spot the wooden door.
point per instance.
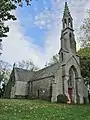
(70, 94)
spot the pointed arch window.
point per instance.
(70, 37)
(70, 81)
(62, 56)
(65, 22)
(69, 22)
(70, 78)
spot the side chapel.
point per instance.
(63, 77)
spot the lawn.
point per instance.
(41, 110)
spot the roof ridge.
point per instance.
(22, 69)
(46, 67)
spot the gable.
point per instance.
(73, 60)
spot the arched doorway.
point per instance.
(72, 85)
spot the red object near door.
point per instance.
(70, 94)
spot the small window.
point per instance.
(65, 21)
(31, 86)
(70, 37)
(71, 25)
(69, 22)
(62, 56)
(38, 93)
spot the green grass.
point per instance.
(41, 110)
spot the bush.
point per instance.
(62, 98)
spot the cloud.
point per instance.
(17, 46)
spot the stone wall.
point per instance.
(41, 88)
(21, 89)
(10, 84)
(7, 92)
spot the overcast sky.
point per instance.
(36, 33)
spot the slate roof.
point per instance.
(47, 71)
(24, 75)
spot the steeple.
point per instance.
(67, 34)
(67, 18)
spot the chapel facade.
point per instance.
(63, 77)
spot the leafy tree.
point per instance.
(6, 6)
(85, 51)
(28, 65)
(4, 75)
(20, 2)
(84, 54)
(53, 60)
(5, 69)
(85, 31)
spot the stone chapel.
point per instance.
(63, 77)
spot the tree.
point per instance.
(4, 75)
(28, 65)
(20, 2)
(85, 31)
(53, 60)
(5, 69)
(85, 51)
(6, 6)
(84, 54)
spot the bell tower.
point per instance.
(67, 34)
(72, 83)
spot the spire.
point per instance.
(67, 19)
(67, 34)
(66, 11)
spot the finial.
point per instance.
(65, 2)
(14, 65)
